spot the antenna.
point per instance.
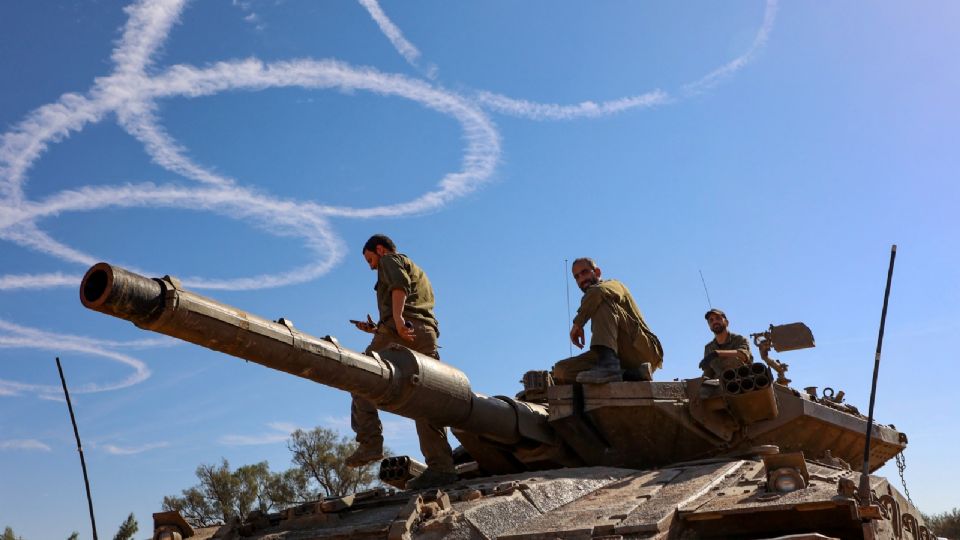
(865, 472)
(76, 433)
(567, 274)
(709, 303)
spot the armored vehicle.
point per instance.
(742, 456)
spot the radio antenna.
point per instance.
(709, 303)
(567, 274)
(83, 463)
(864, 488)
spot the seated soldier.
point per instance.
(726, 349)
(620, 338)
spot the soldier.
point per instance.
(620, 338)
(726, 349)
(405, 301)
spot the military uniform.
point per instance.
(616, 323)
(714, 366)
(396, 271)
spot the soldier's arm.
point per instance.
(588, 306)
(398, 282)
(739, 347)
(743, 349)
(394, 275)
(399, 299)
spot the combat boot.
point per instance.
(364, 455)
(642, 373)
(607, 370)
(432, 478)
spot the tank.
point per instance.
(741, 456)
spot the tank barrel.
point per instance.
(162, 306)
(397, 380)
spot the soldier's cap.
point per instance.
(714, 310)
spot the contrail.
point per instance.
(21, 337)
(390, 30)
(131, 94)
(587, 109)
(759, 42)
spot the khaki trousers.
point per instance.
(365, 420)
(612, 327)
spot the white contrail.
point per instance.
(279, 432)
(147, 28)
(15, 336)
(587, 109)
(115, 450)
(390, 30)
(12, 282)
(759, 42)
(275, 216)
(24, 444)
(34, 333)
(131, 94)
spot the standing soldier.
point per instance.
(620, 338)
(405, 301)
(726, 349)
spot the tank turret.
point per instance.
(661, 457)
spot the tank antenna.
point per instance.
(567, 274)
(83, 463)
(865, 472)
(709, 303)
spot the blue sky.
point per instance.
(250, 147)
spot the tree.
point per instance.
(193, 506)
(220, 487)
(223, 494)
(252, 492)
(319, 457)
(8, 534)
(946, 524)
(73, 536)
(322, 454)
(127, 529)
(289, 488)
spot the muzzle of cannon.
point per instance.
(397, 379)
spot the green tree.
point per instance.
(73, 536)
(221, 488)
(8, 534)
(946, 524)
(193, 506)
(319, 457)
(321, 454)
(127, 529)
(290, 488)
(252, 492)
(223, 494)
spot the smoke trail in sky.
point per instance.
(131, 92)
(587, 109)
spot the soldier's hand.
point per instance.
(405, 330)
(576, 336)
(367, 326)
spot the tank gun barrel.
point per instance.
(397, 380)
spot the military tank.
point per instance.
(741, 456)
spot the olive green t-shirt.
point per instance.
(397, 271)
(735, 342)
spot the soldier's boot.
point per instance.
(607, 370)
(365, 454)
(432, 478)
(642, 373)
